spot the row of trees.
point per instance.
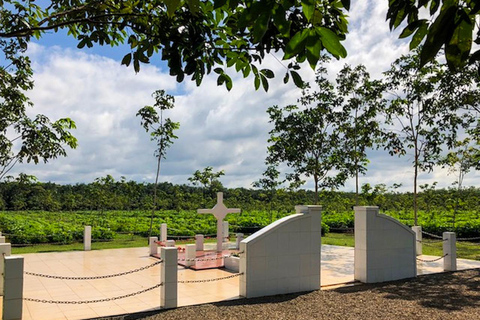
(106, 193)
(429, 113)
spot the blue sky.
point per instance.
(226, 130)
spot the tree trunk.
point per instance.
(154, 197)
(315, 179)
(415, 176)
(356, 182)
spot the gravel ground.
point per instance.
(440, 296)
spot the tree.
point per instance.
(307, 139)
(427, 108)
(451, 27)
(363, 101)
(208, 179)
(24, 138)
(461, 161)
(193, 36)
(269, 183)
(161, 131)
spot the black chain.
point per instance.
(432, 235)
(96, 300)
(468, 239)
(93, 277)
(422, 260)
(211, 280)
(205, 259)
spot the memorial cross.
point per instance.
(219, 211)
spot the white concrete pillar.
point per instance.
(199, 240)
(170, 243)
(225, 231)
(418, 239)
(450, 250)
(239, 239)
(190, 255)
(152, 244)
(2, 238)
(5, 250)
(87, 238)
(163, 232)
(13, 291)
(168, 276)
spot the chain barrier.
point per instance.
(432, 235)
(458, 239)
(463, 243)
(211, 280)
(468, 239)
(209, 259)
(93, 277)
(96, 300)
(422, 260)
(427, 242)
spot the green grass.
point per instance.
(120, 241)
(339, 239)
(465, 250)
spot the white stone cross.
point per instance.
(219, 211)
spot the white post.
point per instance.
(163, 232)
(13, 291)
(87, 238)
(152, 243)
(225, 231)
(170, 243)
(199, 238)
(2, 238)
(418, 239)
(190, 255)
(239, 239)
(5, 250)
(168, 276)
(450, 250)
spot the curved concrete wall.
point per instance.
(384, 248)
(283, 257)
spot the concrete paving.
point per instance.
(337, 268)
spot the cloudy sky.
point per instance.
(225, 130)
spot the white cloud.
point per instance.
(226, 130)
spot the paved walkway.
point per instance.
(337, 267)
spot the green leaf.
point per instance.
(136, 65)
(331, 42)
(411, 28)
(194, 5)
(346, 4)
(260, 27)
(127, 59)
(219, 3)
(458, 49)
(286, 78)
(418, 36)
(267, 73)
(297, 79)
(308, 7)
(438, 33)
(296, 44)
(313, 46)
(172, 6)
(257, 82)
(264, 82)
(281, 22)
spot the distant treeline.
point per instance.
(108, 194)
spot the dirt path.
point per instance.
(440, 296)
